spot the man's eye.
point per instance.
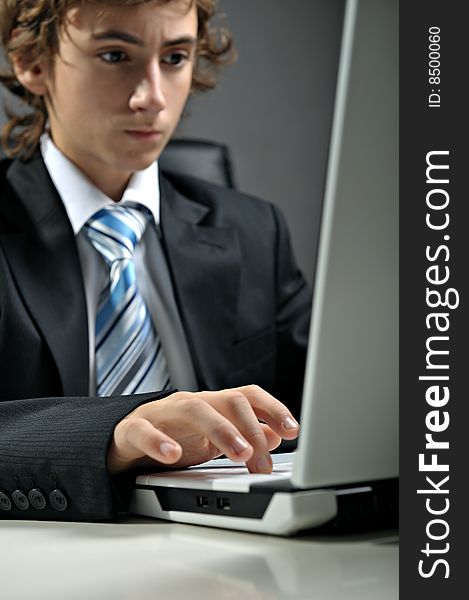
(113, 56)
(175, 59)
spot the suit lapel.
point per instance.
(43, 256)
(204, 263)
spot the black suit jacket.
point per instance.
(243, 303)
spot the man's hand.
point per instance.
(189, 428)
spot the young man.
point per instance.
(85, 216)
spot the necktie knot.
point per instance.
(116, 230)
(129, 355)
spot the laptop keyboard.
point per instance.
(281, 461)
(221, 474)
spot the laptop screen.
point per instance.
(350, 398)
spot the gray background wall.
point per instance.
(273, 107)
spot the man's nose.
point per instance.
(148, 94)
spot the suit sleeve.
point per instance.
(292, 320)
(49, 444)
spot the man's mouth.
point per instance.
(144, 134)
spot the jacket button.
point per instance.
(58, 500)
(5, 502)
(20, 499)
(36, 497)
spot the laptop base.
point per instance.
(272, 512)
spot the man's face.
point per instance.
(118, 86)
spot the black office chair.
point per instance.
(199, 158)
(204, 159)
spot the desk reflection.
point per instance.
(150, 560)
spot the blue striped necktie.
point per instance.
(129, 357)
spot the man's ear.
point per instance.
(32, 78)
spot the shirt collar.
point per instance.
(82, 199)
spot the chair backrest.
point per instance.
(199, 158)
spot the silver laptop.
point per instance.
(346, 464)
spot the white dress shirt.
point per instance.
(82, 199)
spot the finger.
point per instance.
(273, 440)
(238, 410)
(205, 420)
(270, 410)
(137, 437)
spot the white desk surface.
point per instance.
(143, 559)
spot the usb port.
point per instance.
(202, 501)
(223, 504)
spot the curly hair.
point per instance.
(36, 25)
